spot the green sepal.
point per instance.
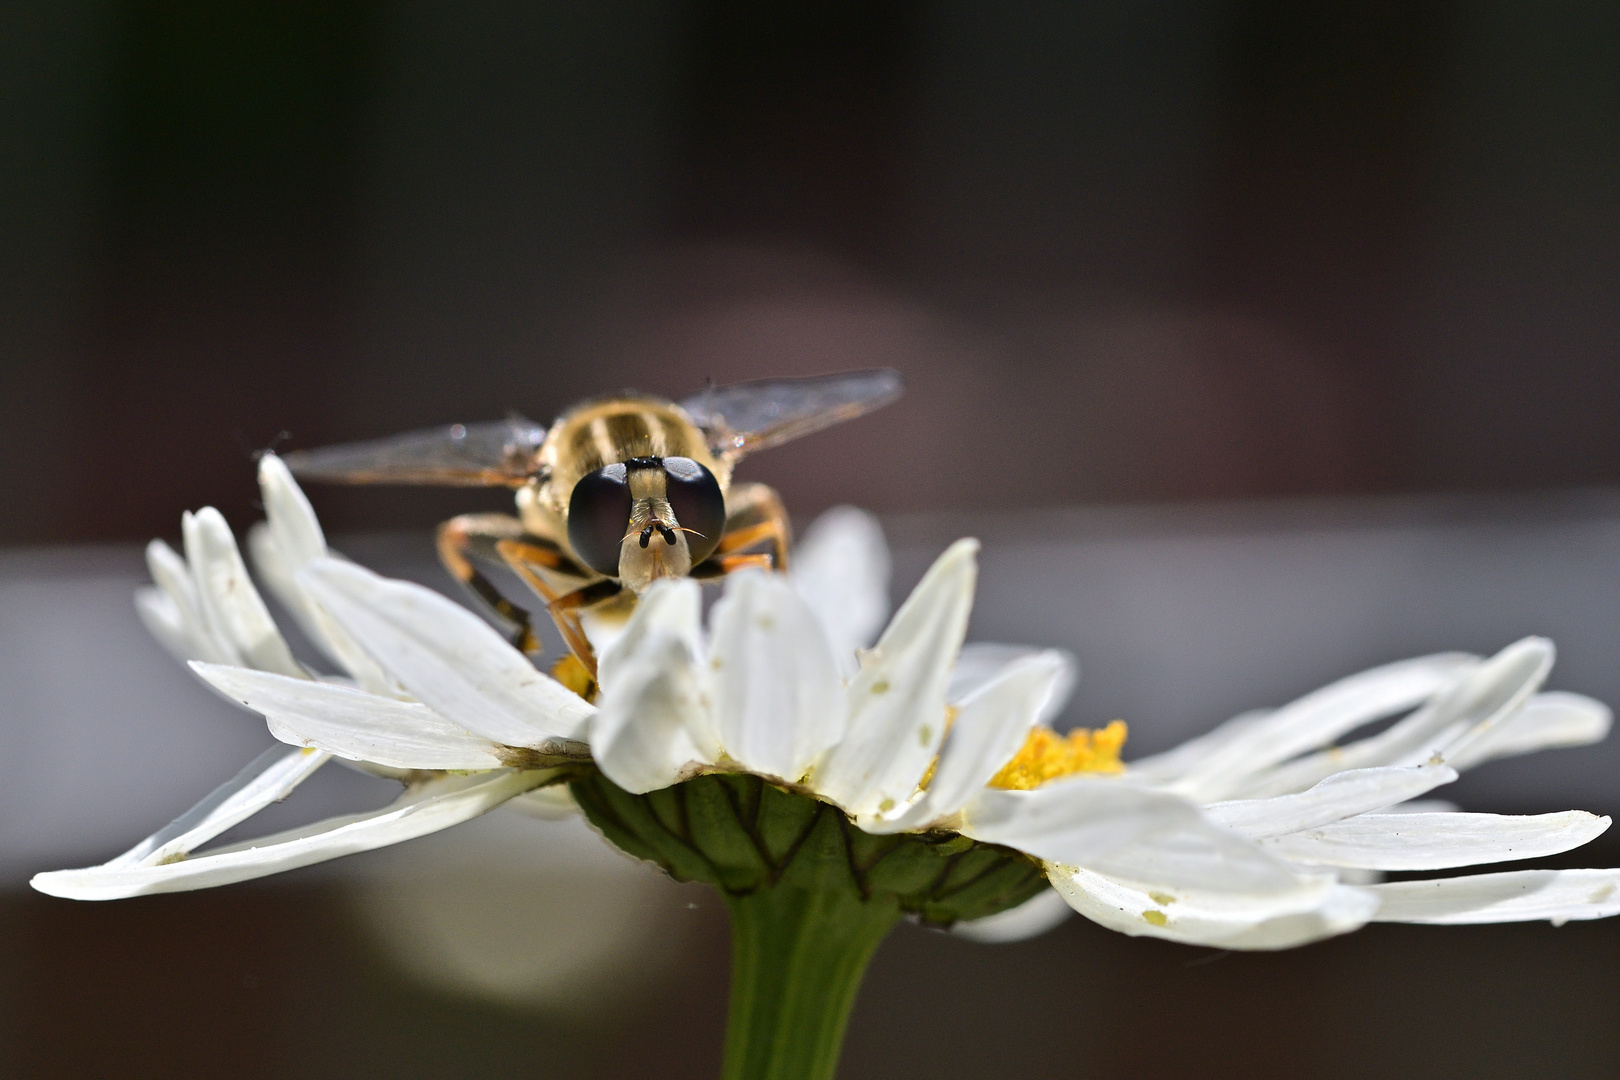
(810, 895)
(741, 833)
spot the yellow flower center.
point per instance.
(1046, 755)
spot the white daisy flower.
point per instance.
(771, 745)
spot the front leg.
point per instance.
(476, 536)
(754, 515)
(565, 613)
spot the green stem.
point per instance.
(797, 957)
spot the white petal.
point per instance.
(230, 604)
(1316, 719)
(1040, 913)
(293, 525)
(1514, 896)
(990, 727)
(161, 616)
(426, 808)
(447, 657)
(897, 699)
(643, 734)
(268, 778)
(982, 661)
(778, 699)
(1179, 760)
(1199, 854)
(180, 624)
(1342, 795)
(671, 607)
(1437, 841)
(1479, 698)
(1126, 831)
(352, 723)
(331, 639)
(1546, 721)
(841, 569)
(284, 543)
(1317, 907)
(1523, 667)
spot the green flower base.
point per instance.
(811, 896)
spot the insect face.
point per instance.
(646, 518)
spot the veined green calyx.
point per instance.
(811, 896)
(742, 834)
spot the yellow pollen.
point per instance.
(574, 675)
(928, 777)
(1046, 755)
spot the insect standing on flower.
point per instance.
(619, 492)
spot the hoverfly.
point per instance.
(619, 492)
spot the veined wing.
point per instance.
(745, 417)
(498, 453)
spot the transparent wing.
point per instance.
(745, 417)
(498, 453)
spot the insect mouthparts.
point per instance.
(663, 530)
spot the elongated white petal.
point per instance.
(645, 736)
(1511, 896)
(1546, 721)
(982, 661)
(1437, 841)
(672, 607)
(897, 699)
(230, 604)
(352, 723)
(841, 569)
(1199, 854)
(179, 625)
(1523, 667)
(332, 640)
(1343, 795)
(292, 521)
(1126, 831)
(447, 657)
(1316, 719)
(266, 779)
(171, 574)
(1476, 700)
(284, 543)
(1040, 913)
(990, 726)
(426, 808)
(778, 699)
(1316, 907)
(1172, 764)
(161, 616)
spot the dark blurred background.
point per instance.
(1123, 253)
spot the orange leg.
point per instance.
(460, 540)
(756, 516)
(730, 564)
(565, 613)
(524, 556)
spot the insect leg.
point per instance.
(565, 612)
(755, 515)
(475, 536)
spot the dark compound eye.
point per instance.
(598, 515)
(694, 495)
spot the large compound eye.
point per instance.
(598, 515)
(694, 495)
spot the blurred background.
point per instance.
(1260, 341)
